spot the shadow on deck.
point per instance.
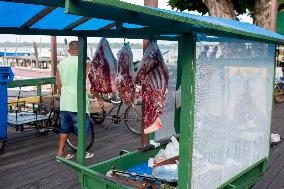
(274, 176)
(29, 160)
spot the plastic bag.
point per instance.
(171, 150)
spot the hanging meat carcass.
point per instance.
(102, 73)
(153, 75)
(125, 75)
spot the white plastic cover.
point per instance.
(168, 115)
(233, 101)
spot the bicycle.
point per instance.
(278, 91)
(131, 116)
(54, 124)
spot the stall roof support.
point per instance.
(109, 26)
(81, 100)
(38, 17)
(187, 109)
(133, 33)
(178, 83)
(77, 23)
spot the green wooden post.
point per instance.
(187, 56)
(81, 103)
(265, 164)
(38, 90)
(178, 82)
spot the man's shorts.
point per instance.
(69, 122)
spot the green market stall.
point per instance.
(280, 30)
(225, 73)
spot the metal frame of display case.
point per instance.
(161, 25)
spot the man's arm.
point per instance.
(58, 83)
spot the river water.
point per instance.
(137, 53)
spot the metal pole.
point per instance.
(81, 103)
(187, 61)
(273, 16)
(178, 84)
(81, 99)
(53, 48)
(151, 3)
(145, 137)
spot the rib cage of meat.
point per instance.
(125, 75)
(153, 76)
(102, 73)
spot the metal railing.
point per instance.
(38, 82)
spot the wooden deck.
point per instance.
(274, 176)
(29, 160)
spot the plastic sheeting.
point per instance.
(93, 24)
(168, 115)
(57, 19)
(233, 102)
(223, 22)
(9, 13)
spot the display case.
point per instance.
(225, 73)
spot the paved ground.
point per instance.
(29, 160)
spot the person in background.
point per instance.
(214, 52)
(66, 81)
(204, 54)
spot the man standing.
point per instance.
(66, 81)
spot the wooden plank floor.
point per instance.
(29, 160)
(274, 176)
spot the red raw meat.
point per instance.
(125, 75)
(153, 76)
(102, 74)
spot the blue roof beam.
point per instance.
(109, 26)
(37, 17)
(77, 23)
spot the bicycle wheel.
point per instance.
(115, 99)
(278, 94)
(113, 117)
(98, 117)
(132, 118)
(53, 121)
(41, 127)
(72, 139)
(2, 146)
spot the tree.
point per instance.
(258, 9)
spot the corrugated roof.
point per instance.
(115, 18)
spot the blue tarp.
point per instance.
(12, 16)
(14, 54)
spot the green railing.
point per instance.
(38, 82)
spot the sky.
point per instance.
(163, 4)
